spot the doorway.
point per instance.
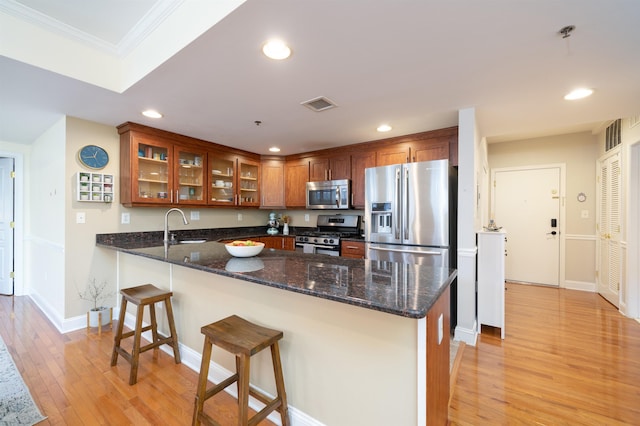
(527, 202)
(7, 237)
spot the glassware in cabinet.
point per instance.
(249, 183)
(221, 183)
(153, 173)
(191, 178)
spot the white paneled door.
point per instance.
(609, 229)
(526, 203)
(6, 225)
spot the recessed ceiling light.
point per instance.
(384, 128)
(151, 113)
(276, 49)
(578, 94)
(274, 149)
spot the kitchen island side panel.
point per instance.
(343, 365)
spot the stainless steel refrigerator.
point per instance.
(410, 213)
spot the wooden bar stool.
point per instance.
(243, 339)
(144, 295)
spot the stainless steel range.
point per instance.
(325, 239)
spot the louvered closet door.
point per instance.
(609, 229)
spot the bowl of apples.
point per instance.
(244, 248)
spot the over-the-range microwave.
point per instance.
(328, 194)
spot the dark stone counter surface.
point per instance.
(407, 290)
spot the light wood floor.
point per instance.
(72, 382)
(569, 358)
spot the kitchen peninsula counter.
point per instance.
(364, 341)
(354, 281)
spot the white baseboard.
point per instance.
(580, 285)
(468, 336)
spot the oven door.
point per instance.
(332, 194)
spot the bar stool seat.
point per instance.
(243, 339)
(141, 296)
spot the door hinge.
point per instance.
(12, 224)
(13, 174)
(494, 183)
(12, 274)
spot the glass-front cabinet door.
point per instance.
(152, 177)
(248, 182)
(222, 169)
(191, 179)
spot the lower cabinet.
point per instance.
(352, 249)
(491, 279)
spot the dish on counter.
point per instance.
(242, 248)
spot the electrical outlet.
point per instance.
(125, 218)
(306, 218)
(239, 217)
(440, 328)
(195, 215)
(80, 217)
(584, 214)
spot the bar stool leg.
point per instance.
(154, 328)
(277, 371)
(172, 330)
(118, 336)
(243, 389)
(202, 382)
(135, 352)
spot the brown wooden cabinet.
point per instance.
(273, 189)
(393, 154)
(146, 169)
(296, 176)
(190, 177)
(359, 162)
(278, 242)
(352, 249)
(235, 180)
(329, 168)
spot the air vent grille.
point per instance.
(613, 136)
(319, 104)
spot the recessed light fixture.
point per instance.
(151, 113)
(276, 49)
(578, 94)
(384, 128)
(274, 149)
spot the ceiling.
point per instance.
(411, 63)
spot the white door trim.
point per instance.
(562, 227)
(631, 297)
(19, 218)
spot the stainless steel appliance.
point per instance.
(328, 194)
(325, 239)
(410, 214)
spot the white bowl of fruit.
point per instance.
(244, 248)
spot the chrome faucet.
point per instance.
(166, 222)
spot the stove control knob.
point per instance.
(305, 238)
(331, 241)
(326, 241)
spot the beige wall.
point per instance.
(579, 152)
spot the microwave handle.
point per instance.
(337, 196)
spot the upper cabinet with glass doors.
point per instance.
(190, 177)
(234, 180)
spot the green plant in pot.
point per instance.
(97, 294)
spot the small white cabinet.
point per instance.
(491, 278)
(95, 187)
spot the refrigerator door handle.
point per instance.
(406, 203)
(435, 253)
(398, 202)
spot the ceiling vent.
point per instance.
(319, 104)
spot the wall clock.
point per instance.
(94, 157)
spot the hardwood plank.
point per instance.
(72, 382)
(569, 357)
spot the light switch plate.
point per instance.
(239, 217)
(584, 214)
(306, 218)
(125, 218)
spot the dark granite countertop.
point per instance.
(407, 290)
